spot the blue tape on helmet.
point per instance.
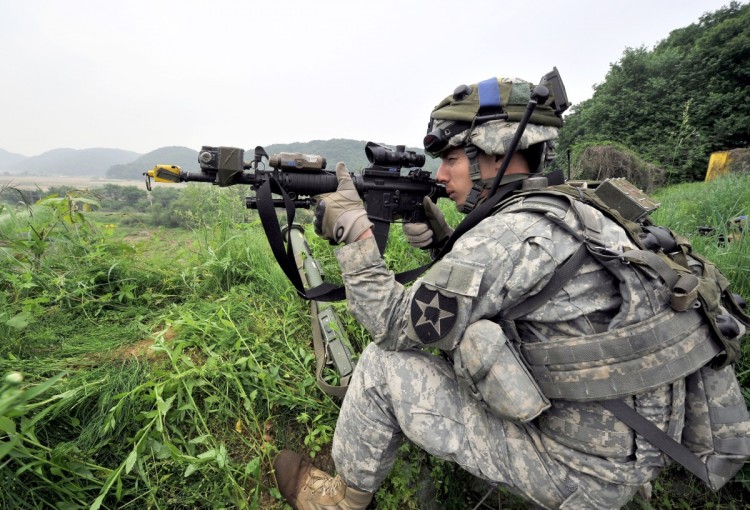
(489, 93)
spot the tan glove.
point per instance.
(340, 216)
(431, 234)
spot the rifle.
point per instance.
(388, 195)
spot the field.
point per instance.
(47, 181)
(153, 367)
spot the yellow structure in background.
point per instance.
(718, 164)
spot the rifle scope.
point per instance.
(381, 155)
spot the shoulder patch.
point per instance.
(433, 315)
(437, 307)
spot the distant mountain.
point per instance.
(8, 159)
(73, 162)
(120, 164)
(185, 158)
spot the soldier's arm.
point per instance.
(488, 266)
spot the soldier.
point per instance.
(482, 409)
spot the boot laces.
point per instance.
(325, 484)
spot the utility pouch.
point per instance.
(717, 424)
(495, 375)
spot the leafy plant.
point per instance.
(167, 369)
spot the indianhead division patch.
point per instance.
(432, 314)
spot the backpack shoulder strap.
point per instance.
(558, 207)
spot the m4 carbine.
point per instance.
(389, 194)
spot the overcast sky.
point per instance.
(143, 74)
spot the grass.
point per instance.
(164, 368)
(690, 208)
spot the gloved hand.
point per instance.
(431, 234)
(340, 216)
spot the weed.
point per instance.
(166, 367)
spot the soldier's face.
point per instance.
(454, 171)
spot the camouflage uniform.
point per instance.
(399, 390)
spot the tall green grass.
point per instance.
(166, 370)
(692, 207)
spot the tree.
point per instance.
(679, 102)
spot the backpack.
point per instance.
(716, 437)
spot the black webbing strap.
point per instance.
(270, 222)
(327, 291)
(657, 437)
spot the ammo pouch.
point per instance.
(494, 374)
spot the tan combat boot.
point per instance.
(306, 487)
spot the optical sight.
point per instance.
(382, 155)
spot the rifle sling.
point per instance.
(270, 222)
(327, 291)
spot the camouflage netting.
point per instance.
(739, 161)
(600, 162)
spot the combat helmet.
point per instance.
(486, 115)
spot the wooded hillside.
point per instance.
(678, 102)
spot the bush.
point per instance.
(600, 161)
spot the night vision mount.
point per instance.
(554, 84)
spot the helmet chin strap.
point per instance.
(479, 184)
(472, 152)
